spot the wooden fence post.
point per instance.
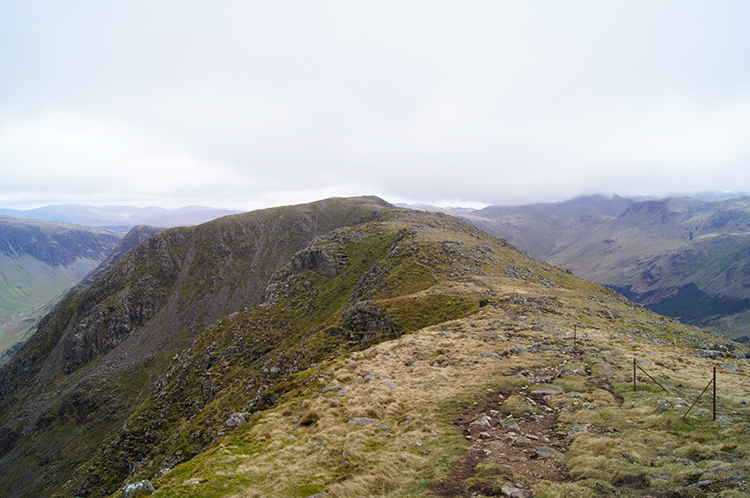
(714, 393)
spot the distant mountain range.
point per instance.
(683, 257)
(120, 218)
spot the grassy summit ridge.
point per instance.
(385, 421)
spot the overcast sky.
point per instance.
(244, 104)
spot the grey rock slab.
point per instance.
(360, 421)
(548, 390)
(707, 353)
(512, 491)
(663, 477)
(701, 484)
(565, 372)
(730, 368)
(138, 489)
(235, 420)
(713, 470)
(545, 452)
(512, 426)
(627, 456)
(578, 429)
(489, 354)
(727, 457)
(484, 421)
(521, 441)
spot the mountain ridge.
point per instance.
(244, 336)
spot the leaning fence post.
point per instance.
(712, 381)
(634, 389)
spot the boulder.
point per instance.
(709, 353)
(366, 318)
(235, 420)
(512, 491)
(521, 441)
(545, 452)
(137, 489)
(484, 421)
(321, 261)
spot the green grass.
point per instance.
(412, 313)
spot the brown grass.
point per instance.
(420, 379)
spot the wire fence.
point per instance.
(711, 383)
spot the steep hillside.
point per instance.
(530, 395)
(39, 261)
(345, 347)
(154, 298)
(135, 236)
(682, 257)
